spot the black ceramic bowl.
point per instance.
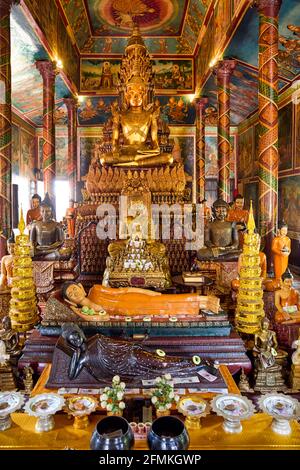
(168, 433)
(112, 433)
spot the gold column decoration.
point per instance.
(23, 307)
(250, 306)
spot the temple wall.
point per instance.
(24, 160)
(289, 165)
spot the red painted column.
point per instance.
(48, 72)
(71, 104)
(223, 72)
(268, 120)
(5, 124)
(200, 104)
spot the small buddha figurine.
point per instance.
(10, 337)
(7, 380)
(6, 273)
(268, 374)
(296, 354)
(220, 236)
(244, 382)
(47, 235)
(287, 301)
(34, 213)
(281, 249)
(28, 379)
(137, 121)
(71, 218)
(206, 212)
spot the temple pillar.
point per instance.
(200, 104)
(71, 104)
(48, 72)
(5, 124)
(223, 72)
(268, 120)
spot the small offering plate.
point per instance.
(80, 407)
(9, 403)
(233, 408)
(194, 408)
(43, 407)
(282, 408)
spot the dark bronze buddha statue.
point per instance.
(47, 235)
(96, 360)
(220, 236)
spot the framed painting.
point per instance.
(245, 154)
(99, 75)
(174, 75)
(285, 139)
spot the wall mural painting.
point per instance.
(285, 139)
(61, 156)
(177, 110)
(251, 194)
(184, 151)
(27, 154)
(174, 75)
(206, 51)
(95, 111)
(297, 134)
(289, 203)
(99, 75)
(88, 148)
(211, 157)
(40, 152)
(16, 155)
(245, 155)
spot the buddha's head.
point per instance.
(35, 201)
(74, 292)
(239, 202)
(6, 323)
(287, 279)
(220, 209)
(282, 229)
(136, 92)
(73, 334)
(46, 212)
(265, 322)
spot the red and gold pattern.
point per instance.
(224, 71)
(48, 72)
(268, 119)
(200, 104)
(71, 104)
(5, 124)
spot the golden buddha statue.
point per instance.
(6, 272)
(136, 123)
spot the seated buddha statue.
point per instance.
(220, 236)
(34, 213)
(137, 120)
(10, 337)
(131, 301)
(239, 215)
(6, 272)
(47, 235)
(287, 301)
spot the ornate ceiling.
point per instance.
(102, 26)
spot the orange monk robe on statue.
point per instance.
(32, 215)
(71, 221)
(281, 248)
(130, 302)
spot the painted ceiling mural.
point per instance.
(169, 26)
(27, 88)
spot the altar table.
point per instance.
(256, 435)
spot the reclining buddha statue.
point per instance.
(135, 126)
